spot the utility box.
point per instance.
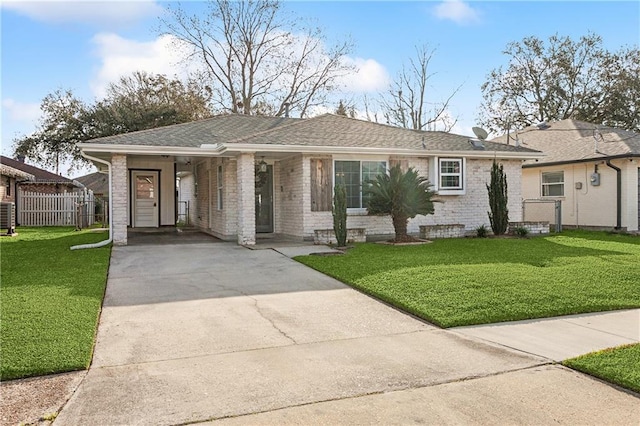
(595, 179)
(8, 217)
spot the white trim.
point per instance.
(207, 150)
(543, 184)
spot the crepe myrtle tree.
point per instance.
(403, 195)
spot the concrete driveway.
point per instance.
(217, 332)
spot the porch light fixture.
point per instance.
(262, 166)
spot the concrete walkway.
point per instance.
(200, 332)
(563, 337)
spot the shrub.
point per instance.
(339, 212)
(521, 231)
(499, 214)
(482, 231)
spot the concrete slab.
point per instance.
(195, 332)
(564, 337)
(547, 395)
(192, 389)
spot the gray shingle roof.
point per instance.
(572, 140)
(218, 129)
(323, 131)
(336, 130)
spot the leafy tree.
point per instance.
(137, 102)
(142, 101)
(407, 102)
(403, 195)
(562, 79)
(499, 214)
(255, 54)
(61, 126)
(339, 212)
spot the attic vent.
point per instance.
(477, 144)
(542, 125)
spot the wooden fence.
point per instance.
(64, 209)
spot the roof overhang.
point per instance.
(212, 150)
(579, 161)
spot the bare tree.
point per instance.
(407, 104)
(258, 58)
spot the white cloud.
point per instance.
(369, 76)
(120, 56)
(21, 111)
(457, 11)
(102, 13)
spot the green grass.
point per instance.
(619, 365)
(456, 282)
(50, 300)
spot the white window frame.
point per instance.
(358, 210)
(219, 187)
(544, 184)
(436, 174)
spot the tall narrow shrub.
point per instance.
(339, 212)
(499, 214)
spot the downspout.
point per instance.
(618, 192)
(107, 241)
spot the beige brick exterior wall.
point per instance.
(245, 173)
(292, 199)
(120, 212)
(224, 223)
(290, 181)
(469, 209)
(201, 195)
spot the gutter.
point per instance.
(108, 240)
(618, 193)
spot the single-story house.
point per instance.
(42, 181)
(255, 174)
(98, 182)
(593, 170)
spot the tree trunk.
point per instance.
(400, 227)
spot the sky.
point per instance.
(85, 45)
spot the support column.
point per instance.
(246, 199)
(119, 190)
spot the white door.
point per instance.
(145, 199)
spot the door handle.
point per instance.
(154, 204)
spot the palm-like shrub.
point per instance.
(403, 195)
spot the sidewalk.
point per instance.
(563, 337)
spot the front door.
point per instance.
(145, 199)
(264, 200)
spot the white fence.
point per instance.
(65, 209)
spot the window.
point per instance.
(353, 174)
(219, 178)
(450, 170)
(553, 184)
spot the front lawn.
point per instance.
(456, 282)
(619, 365)
(50, 298)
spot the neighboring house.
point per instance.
(98, 182)
(256, 174)
(592, 169)
(9, 178)
(43, 182)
